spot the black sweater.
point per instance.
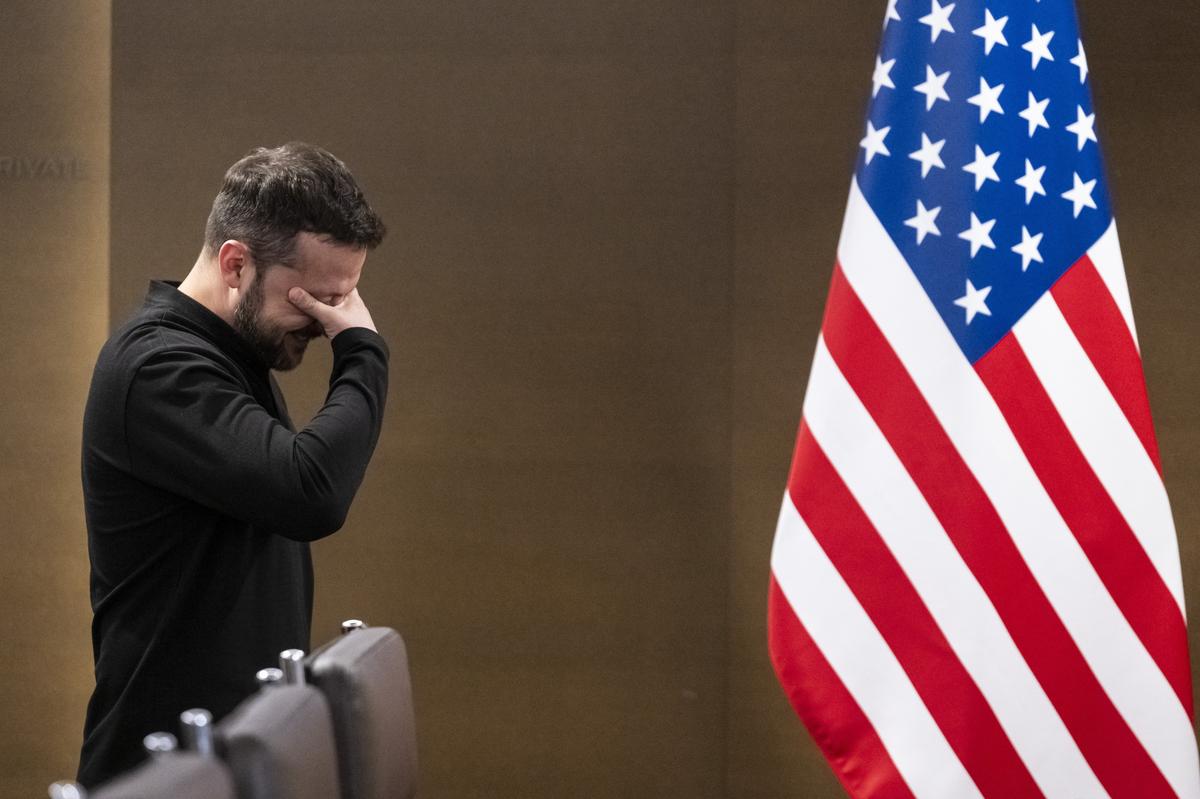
(200, 499)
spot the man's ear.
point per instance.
(235, 264)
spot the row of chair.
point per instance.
(336, 723)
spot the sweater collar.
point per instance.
(165, 295)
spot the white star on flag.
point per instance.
(973, 301)
(891, 14)
(1035, 114)
(1081, 194)
(930, 155)
(873, 141)
(983, 168)
(988, 99)
(1084, 127)
(992, 32)
(924, 222)
(933, 87)
(882, 76)
(1031, 181)
(938, 20)
(1039, 46)
(979, 234)
(1028, 248)
(1081, 61)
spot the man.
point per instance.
(200, 496)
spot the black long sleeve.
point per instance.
(192, 430)
(200, 499)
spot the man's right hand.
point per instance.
(350, 312)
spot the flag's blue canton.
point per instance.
(1013, 200)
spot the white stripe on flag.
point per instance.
(1103, 434)
(863, 662)
(896, 301)
(1106, 256)
(896, 508)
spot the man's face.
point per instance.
(277, 330)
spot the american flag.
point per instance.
(976, 586)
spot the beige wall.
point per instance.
(54, 59)
(612, 227)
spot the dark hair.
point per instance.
(272, 194)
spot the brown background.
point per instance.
(612, 226)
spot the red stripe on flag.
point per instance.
(895, 403)
(1094, 318)
(833, 718)
(889, 599)
(1096, 522)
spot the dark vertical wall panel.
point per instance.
(1145, 71)
(802, 82)
(547, 516)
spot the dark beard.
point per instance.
(267, 343)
